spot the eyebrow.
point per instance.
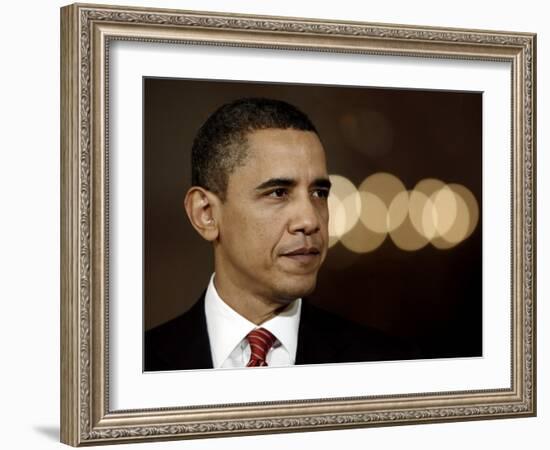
(289, 182)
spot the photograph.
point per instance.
(341, 222)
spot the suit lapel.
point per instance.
(314, 344)
(197, 350)
(183, 342)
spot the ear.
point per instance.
(202, 207)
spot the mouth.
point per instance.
(303, 255)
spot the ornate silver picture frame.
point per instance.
(91, 411)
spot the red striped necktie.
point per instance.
(260, 341)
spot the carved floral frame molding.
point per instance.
(86, 31)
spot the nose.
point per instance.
(306, 217)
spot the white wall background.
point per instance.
(29, 223)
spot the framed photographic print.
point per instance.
(362, 194)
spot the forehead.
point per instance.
(283, 153)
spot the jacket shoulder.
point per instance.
(325, 337)
(179, 344)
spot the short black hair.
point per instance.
(220, 144)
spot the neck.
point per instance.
(252, 307)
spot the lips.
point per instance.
(303, 251)
(304, 256)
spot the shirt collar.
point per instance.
(227, 328)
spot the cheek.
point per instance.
(254, 236)
(265, 232)
(324, 217)
(254, 233)
(266, 235)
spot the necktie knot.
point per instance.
(260, 341)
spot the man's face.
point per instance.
(273, 227)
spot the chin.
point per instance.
(297, 287)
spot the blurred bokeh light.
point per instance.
(432, 212)
(344, 206)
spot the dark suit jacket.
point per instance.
(182, 343)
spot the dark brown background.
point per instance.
(431, 296)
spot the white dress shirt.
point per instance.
(227, 331)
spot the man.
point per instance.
(259, 194)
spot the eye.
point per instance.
(321, 193)
(278, 193)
